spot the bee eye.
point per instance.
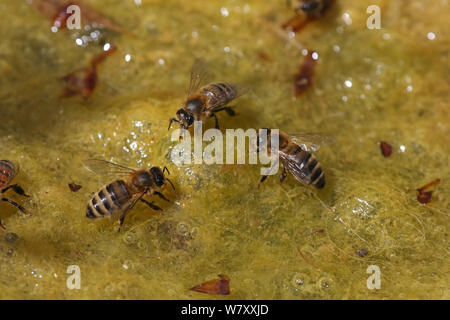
(185, 117)
(189, 119)
(158, 176)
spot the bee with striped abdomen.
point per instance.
(8, 170)
(295, 155)
(117, 198)
(205, 100)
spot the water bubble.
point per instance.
(182, 229)
(431, 36)
(224, 12)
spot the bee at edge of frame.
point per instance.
(8, 170)
(205, 99)
(117, 198)
(295, 155)
(314, 8)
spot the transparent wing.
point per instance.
(102, 167)
(199, 75)
(126, 208)
(312, 141)
(240, 88)
(294, 168)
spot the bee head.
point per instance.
(158, 176)
(185, 118)
(261, 141)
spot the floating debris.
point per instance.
(306, 260)
(423, 196)
(218, 286)
(11, 237)
(74, 187)
(303, 79)
(386, 149)
(362, 252)
(83, 81)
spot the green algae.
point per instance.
(218, 222)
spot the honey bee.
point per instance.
(204, 101)
(8, 170)
(117, 198)
(314, 8)
(295, 155)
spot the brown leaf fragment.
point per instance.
(56, 12)
(303, 79)
(386, 149)
(217, 286)
(74, 187)
(83, 81)
(423, 196)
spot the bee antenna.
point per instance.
(171, 183)
(165, 169)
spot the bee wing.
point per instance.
(126, 208)
(241, 89)
(102, 167)
(312, 141)
(199, 75)
(294, 168)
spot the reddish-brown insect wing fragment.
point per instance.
(303, 79)
(83, 81)
(386, 149)
(218, 286)
(423, 196)
(74, 187)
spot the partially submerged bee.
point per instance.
(314, 8)
(204, 101)
(311, 9)
(117, 198)
(295, 156)
(8, 170)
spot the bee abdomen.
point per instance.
(311, 169)
(221, 93)
(108, 200)
(7, 172)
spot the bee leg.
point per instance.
(228, 110)
(151, 205)
(283, 175)
(18, 206)
(17, 189)
(262, 180)
(159, 194)
(172, 120)
(216, 120)
(121, 220)
(2, 226)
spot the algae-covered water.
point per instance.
(283, 241)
